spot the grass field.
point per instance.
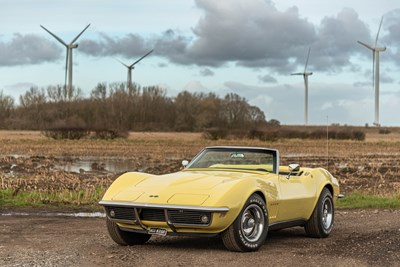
(28, 176)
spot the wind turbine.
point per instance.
(131, 67)
(68, 62)
(375, 74)
(305, 76)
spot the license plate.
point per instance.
(158, 231)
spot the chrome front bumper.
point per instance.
(173, 215)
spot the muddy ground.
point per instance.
(360, 238)
(377, 174)
(28, 163)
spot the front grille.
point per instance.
(156, 215)
(189, 217)
(121, 213)
(175, 216)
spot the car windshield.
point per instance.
(236, 158)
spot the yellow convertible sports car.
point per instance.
(239, 193)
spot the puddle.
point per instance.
(18, 165)
(86, 164)
(69, 164)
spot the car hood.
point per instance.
(184, 187)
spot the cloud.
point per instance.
(391, 25)
(172, 45)
(267, 79)
(255, 34)
(131, 45)
(28, 49)
(225, 33)
(249, 33)
(336, 41)
(384, 78)
(252, 33)
(169, 44)
(206, 72)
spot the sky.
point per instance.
(247, 47)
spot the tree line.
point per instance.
(121, 108)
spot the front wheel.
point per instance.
(321, 222)
(125, 238)
(249, 231)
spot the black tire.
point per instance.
(321, 221)
(249, 231)
(125, 238)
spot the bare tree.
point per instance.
(6, 109)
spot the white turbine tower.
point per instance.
(131, 67)
(305, 76)
(68, 62)
(375, 71)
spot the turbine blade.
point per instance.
(122, 63)
(55, 36)
(364, 44)
(297, 73)
(76, 38)
(379, 29)
(308, 55)
(137, 61)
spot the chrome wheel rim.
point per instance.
(252, 223)
(327, 213)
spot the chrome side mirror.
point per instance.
(293, 168)
(185, 163)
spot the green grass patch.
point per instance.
(10, 198)
(359, 200)
(90, 198)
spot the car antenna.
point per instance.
(327, 143)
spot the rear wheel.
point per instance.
(321, 222)
(249, 231)
(125, 238)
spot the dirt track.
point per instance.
(360, 238)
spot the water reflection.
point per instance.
(87, 164)
(16, 165)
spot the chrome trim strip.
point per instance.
(171, 233)
(170, 224)
(121, 221)
(239, 147)
(138, 221)
(161, 206)
(192, 225)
